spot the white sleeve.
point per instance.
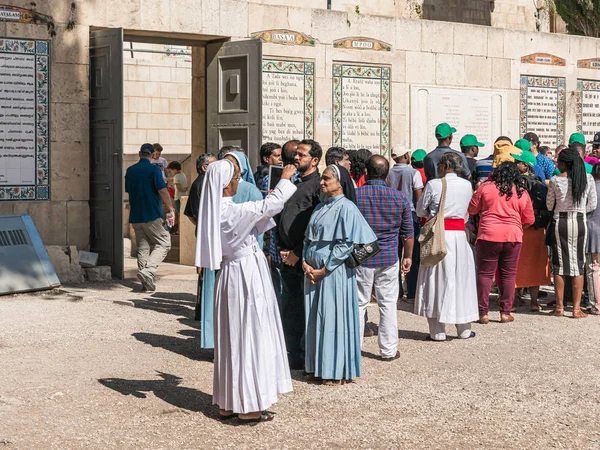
(423, 203)
(259, 214)
(417, 181)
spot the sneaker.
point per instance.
(147, 281)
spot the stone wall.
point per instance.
(510, 14)
(157, 100)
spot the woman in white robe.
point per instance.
(447, 292)
(250, 363)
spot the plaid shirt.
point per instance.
(388, 212)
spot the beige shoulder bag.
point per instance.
(432, 238)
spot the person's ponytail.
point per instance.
(576, 172)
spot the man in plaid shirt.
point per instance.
(388, 212)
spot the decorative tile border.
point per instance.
(13, 14)
(593, 87)
(557, 83)
(362, 43)
(379, 73)
(543, 58)
(307, 69)
(592, 63)
(285, 37)
(41, 189)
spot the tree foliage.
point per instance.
(581, 16)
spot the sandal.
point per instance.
(265, 416)
(579, 314)
(535, 308)
(558, 312)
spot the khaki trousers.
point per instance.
(153, 243)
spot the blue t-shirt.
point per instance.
(143, 180)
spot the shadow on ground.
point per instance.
(167, 389)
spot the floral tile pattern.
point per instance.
(380, 74)
(41, 51)
(307, 69)
(557, 134)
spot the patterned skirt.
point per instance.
(569, 244)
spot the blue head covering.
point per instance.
(244, 167)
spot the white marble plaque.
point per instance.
(481, 112)
(361, 107)
(288, 100)
(588, 108)
(24, 103)
(543, 108)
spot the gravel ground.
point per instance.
(106, 367)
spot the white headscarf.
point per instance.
(335, 170)
(209, 252)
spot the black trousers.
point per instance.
(292, 313)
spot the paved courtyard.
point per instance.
(105, 367)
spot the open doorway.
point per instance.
(184, 92)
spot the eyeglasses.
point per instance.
(237, 178)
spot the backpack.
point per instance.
(538, 191)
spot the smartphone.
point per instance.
(274, 176)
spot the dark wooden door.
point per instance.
(106, 147)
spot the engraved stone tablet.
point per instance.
(288, 100)
(543, 108)
(481, 112)
(24, 127)
(588, 108)
(361, 107)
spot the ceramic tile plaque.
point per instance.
(361, 107)
(288, 100)
(588, 107)
(24, 124)
(543, 108)
(481, 112)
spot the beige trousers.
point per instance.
(153, 243)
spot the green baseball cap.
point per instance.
(523, 144)
(443, 130)
(419, 155)
(577, 137)
(525, 157)
(470, 140)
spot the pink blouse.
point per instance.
(502, 220)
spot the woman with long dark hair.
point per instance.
(505, 210)
(571, 194)
(358, 162)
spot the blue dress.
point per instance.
(331, 305)
(246, 192)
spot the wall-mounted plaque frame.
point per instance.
(24, 119)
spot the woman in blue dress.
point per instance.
(331, 296)
(246, 192)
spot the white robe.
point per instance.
(448, 291)
(250, 366)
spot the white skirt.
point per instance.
(448, 291)
(251, 365)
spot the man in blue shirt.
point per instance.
(146, 188)
(388, 212)
(544, 162)
(525, 146)
(444, 134)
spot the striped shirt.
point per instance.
(388, 212)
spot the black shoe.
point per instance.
(543, 294)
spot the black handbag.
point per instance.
(361, 253)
